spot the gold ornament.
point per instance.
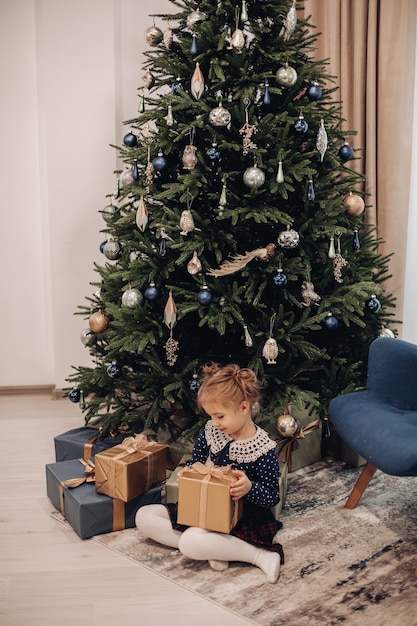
(237, 40)
(339, 262)
(286, 75)
(247, 131)
(148, 79)
(354, 204)
(98, 322)
(153, 35)
(239, 261)
(197, 82)
(186, 222)
(189, 157)
(170, 319)
(287, 425)
(142, 215)
(168, 37)
(194, 265)
(308, 294)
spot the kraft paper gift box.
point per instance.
(88, 512)
(82, 443)
(204, 500)
(303, 450)
(130, 468)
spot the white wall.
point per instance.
(69, 72)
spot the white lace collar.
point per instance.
(241, 451)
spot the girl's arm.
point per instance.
(265, 481)
(200, 450)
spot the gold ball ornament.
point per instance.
(286, 76)
(287, 425)
(354, 204)
(154, 35)
(98, 322)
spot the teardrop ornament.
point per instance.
(142, 215)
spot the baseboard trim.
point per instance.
(30, 390)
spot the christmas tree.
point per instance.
(237, 229)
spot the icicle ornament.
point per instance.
(142, 215)
(248, 338)
(321, 141)
(197, 82)
(170, 319)
(290, 22)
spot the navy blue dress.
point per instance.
(258, 458)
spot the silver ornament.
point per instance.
(387, 332)
(194, 17)
(286, 76)
(253, 177)
(220, 116)
(288, 238)
(287, 425)
(108, 213)
(126, 179)
(87, 337)
(153, 35)
(131, 298)
(111, 250)
(321, 141)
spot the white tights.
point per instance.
(199, 544)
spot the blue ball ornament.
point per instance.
(346, 152)
(151, 293)
(373, 305)
(301, 126)
(330, 322)
(113, 370)
(194, 384)
(204, 297)
(130, 140)
(280, 279)
(213, 152)
(314, 92)
(160, 163)
(177, 86)
(74, 395)
(103, 243)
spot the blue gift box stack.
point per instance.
(88, 512)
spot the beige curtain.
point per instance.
(370, 45)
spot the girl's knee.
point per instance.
(145, 516)
(191, 542)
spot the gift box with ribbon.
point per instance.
(82, 443)
(70, 487)
(130, 468)
(204, 500)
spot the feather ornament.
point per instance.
(239, 261)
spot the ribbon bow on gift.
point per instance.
(209, 470)
(291, 443)
(134, 444)
(89, 477)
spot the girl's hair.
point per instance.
(229, 384)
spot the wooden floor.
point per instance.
(50, 577)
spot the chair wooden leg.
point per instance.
(360, 486)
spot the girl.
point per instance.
(227, 394)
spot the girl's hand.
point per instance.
(241, 487)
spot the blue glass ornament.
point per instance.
(113, 370)
(213, 152)
(163, 247)
(330, 322)
(267, 96)
(301, 125)
(280, 279)
(194, 384)
(151, 293)
(346, 152)
(373, 305)
(194, 48)
(103, 243)
(314, 92)
(130, 140)
(311, 194)
(205, 297)
(135, 170)
(176, 86)
(160, 163)
(74, 395)
(356, 244)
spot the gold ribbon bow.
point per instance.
(71, 483)
(133, 444)
(289, 444)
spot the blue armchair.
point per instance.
(380, 422)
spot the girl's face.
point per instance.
(233, 420)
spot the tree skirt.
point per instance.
(353, 567)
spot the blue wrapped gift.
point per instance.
(90, 513)
(81, 443)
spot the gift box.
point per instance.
(130, 468)
(70, 487)
(204, 500)
(303, 450)
(82, 443)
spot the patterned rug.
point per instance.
(351, 567)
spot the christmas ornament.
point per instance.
(126, 178)
(135, 170)
(112, 250)
(244, 13)
(148, 79)
(247, 131)
(239, 261)
(194, 384)
(159, 163)
(356, 244)
(98, 322)
(163, 245)
(267, 96)
(270, 349)
(387, 332)
(311, 194)
(194, 47)
(287, 425)
(310, 297)
(219, 116)
(205, 297)
(152, 293)
(103, 243)
(131, 298)
(74, 395)
(290, 22)
(223, 197)
(108, 213)
(168, 37)
(286, 75)
(332, 250)
(321, 141)
(346, 152)
(141, 105)
(194, 17)
(141, 215)
(288, 238)
(339, 262)
(170, 319)
(187, 221)
(189, 157)
(170, 117)
(354, 204)
(301, 126)
(253, 177)
(149, 170)
(194, 265)
(314, 92)
(330, 322)
(280, 173)
(87, 337)
(197, 82)
(248, 338)
(153, 35)
(373, 305)
(213, 152)
(280, 279)
(113, 370)
(130, 140)
(177, 86)
(237, 40)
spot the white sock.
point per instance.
(219, 566)
(154, 522)
(200, 544)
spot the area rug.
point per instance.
(350, 567)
